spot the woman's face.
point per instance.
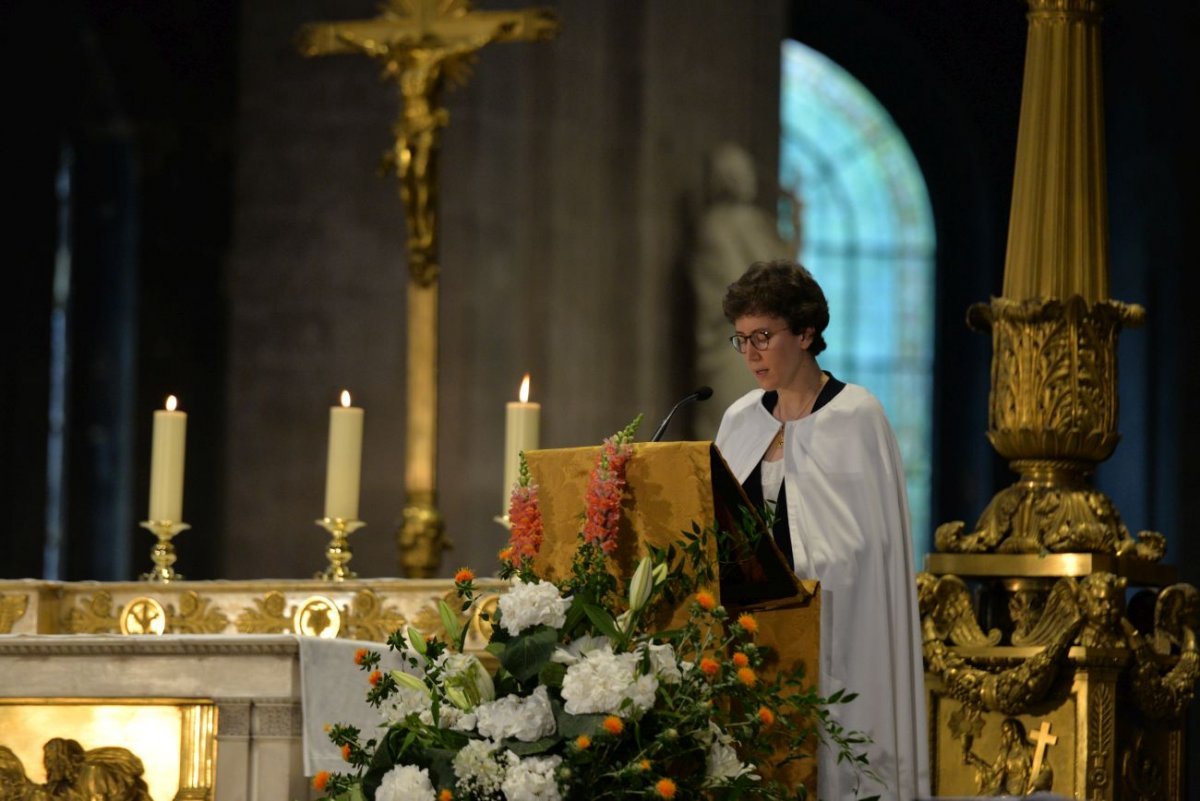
(779, 365)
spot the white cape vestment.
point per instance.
(847, 511)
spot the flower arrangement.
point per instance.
(583, 700)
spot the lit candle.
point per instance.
(521, 422)
(344, 469)
(166, 464)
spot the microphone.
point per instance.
(698, 394)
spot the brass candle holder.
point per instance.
(163, 552)
(338, 553)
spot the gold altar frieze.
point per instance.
(12, 609)
(355, 609)
(106, 749)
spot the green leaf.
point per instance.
(496, 649)
(528, 652)
(603, 621)
(552, 674)
(441, 766)
(571, 726)
(575, 614)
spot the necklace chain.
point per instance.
(778, 441)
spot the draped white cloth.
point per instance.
(847, 511)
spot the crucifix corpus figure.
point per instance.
(424, 46)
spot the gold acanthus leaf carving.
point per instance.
(269, 616)
(195, 616)
(93, 615)
(369, 618)
(12, 609)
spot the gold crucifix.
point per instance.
(1044, 740)
(423, 45)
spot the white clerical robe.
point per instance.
(847, 511)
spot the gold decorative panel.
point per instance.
(107, 749)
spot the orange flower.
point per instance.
(747, 676)
(464, 575)
(506, 554)
(360, 655)
(445, 795)
(740, 659)
(766, 716)
(707, 600)
(644, 765)
(613, 725)
(583, 742)
(709, 666)
(320, 780)
(375, 677)
(346, 752)
(748, 623)
(665, 788)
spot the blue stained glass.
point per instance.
(868, 238)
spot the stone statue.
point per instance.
(732, 233)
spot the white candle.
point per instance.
(344, 468)
(166, 464)
(521, 421)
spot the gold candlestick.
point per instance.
(338, 553)
(163, 552)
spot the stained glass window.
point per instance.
(867, 236)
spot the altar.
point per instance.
(203, 682)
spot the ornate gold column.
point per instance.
(1059, 692)
(423, 45)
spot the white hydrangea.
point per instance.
(406, 783)
(526, 718)
(663, 662)
(528, 605)
(532, 779)
(722, 763)
(601, 681)
(451, 717)
(480, 767)
(578, 647)
(403, 702)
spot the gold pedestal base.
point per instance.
(421, 538)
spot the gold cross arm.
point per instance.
(426, 24)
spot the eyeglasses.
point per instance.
(759, 339)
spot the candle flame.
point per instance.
(524, 393)
(345, 399)
(171, 403)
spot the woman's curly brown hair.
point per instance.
(780, 289)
